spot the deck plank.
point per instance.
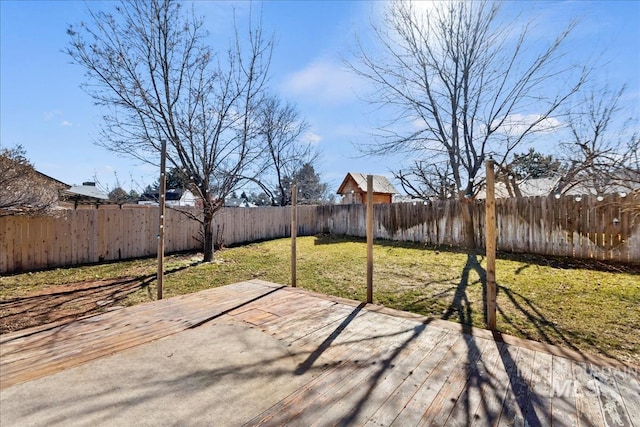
(344, 403)
(613, 407)
(359, 364)
(394, 370)
(396, 402)
(630, 391)
(339, 360)
(443, 404)
(588, 410)
(539, 407)
(517, 397)
(496, 387)
(429, 388)
(479, 387)
(563, 411)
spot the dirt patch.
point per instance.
(67, 302)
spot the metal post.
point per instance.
(490, 245)
(369, 239)
(161, 206)
(294, 230)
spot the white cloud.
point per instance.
(106, 169)
(56, 115)
(422, 9)
(324, 81)
(312, 138)
(50, 115)
(516, 124)
(418, 123)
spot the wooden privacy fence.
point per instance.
(583, 227)
(607, 229)
(83, 236)
(587, 228)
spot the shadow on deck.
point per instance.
(256, 353)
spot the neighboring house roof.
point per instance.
(528, 188)
(172, 197)
(538, 186)
(380, 183)
(535, 187)
(238, 202)
(624, 184)
(86, 190)
(53, 180)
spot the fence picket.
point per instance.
(545, 225)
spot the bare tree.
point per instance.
(601, 154)
(461, 86)
(281, 129)
(147, 63)
(23, 191)
(425, 180)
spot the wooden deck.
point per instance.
(376, 366)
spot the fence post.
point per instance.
(490, 246)
(369, 239)
(161, 204)
(294, 230)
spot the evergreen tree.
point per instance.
(133, 196)
(533, 164)
(118, 195)
(311, 190)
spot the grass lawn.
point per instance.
(579, 305)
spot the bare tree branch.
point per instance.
(281, 130)
(147, 63)
(22, 190)
(601, 156)
(462, 84)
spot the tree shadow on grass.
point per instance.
(461, 306)
(475, 365)
(559, 262)
(546, 331)
(521, 402)
(73, 301)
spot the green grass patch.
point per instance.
(570, 303)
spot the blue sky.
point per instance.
(43, 108)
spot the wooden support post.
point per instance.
(161, 205)
(369, 239)
(490, 246)
(294, 231)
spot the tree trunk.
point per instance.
(467, 221)
(208, 234)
